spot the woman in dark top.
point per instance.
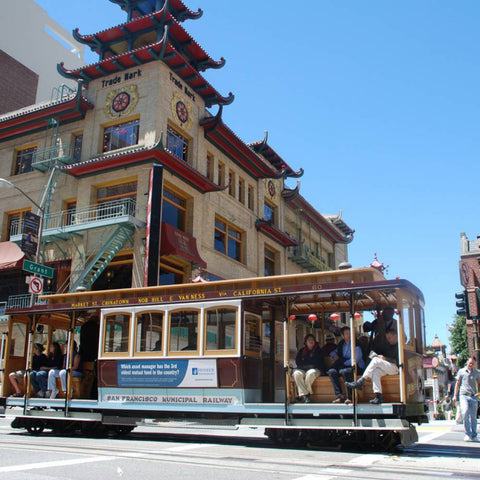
(38, 361)
(310, 365)
(54, 360)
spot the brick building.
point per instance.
(470, 280)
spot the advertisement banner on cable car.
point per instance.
(167, 373)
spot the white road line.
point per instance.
(183, 448)
(429, 438)
(330, 474)
(314, 477)
(367, 459)
(59, 463)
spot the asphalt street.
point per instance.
(149, 453)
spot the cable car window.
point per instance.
(18, 341)
(117, 330)
(221, 329)
(253, 341)
(149, 332)
(59, 336)
(41, 334)
(407, 320)
(183, 331)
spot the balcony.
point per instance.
(3, 317)
(301, 255)
(44, 160)
(67, 223)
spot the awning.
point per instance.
(176, 242)
(10, 256)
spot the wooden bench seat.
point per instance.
(323, 390)
(76, 384)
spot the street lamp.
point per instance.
(8, 184)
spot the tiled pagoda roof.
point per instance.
(35, 118)
(182, 41)
(143, 7)
(143, 154)
(161, 50)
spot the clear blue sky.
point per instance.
(378, 101)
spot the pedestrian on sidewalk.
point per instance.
(468, 385)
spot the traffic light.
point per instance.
(462, 303)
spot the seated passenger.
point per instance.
(342, 366)
(384, 361)
(54, 360)
(54, 373)
(310, 365)
(38, 360)
(330, 344)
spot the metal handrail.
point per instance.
(304, 252)
(93, 213)
(24, 301)
(51, 154)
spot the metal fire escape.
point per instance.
(66, 224)
(100, 262)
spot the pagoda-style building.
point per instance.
(139, 179)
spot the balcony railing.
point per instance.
(24, 301)
(46, 158)
(302, 255)
(103, 214)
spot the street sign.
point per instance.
(36, 285)
(37, 268)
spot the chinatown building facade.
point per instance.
(140, 182)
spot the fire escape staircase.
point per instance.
(100, 262)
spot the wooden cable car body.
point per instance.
(220, 353)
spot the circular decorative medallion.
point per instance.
(181, 111)
(121, 102)
(271, 188)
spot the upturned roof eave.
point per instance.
(27, 121)
(161, 50)
(308, 213)
(181, 10)
(224, 138)
(115, 34)
(156, 153)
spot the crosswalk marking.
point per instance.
(57, 463)
(183, 448)
(367, 459)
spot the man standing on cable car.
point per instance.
(310, 365)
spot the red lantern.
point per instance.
(357, 316)
(334, 317)
(312, 317)
(292, 317)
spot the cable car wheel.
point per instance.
(35, 427)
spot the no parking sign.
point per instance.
(36, 285)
